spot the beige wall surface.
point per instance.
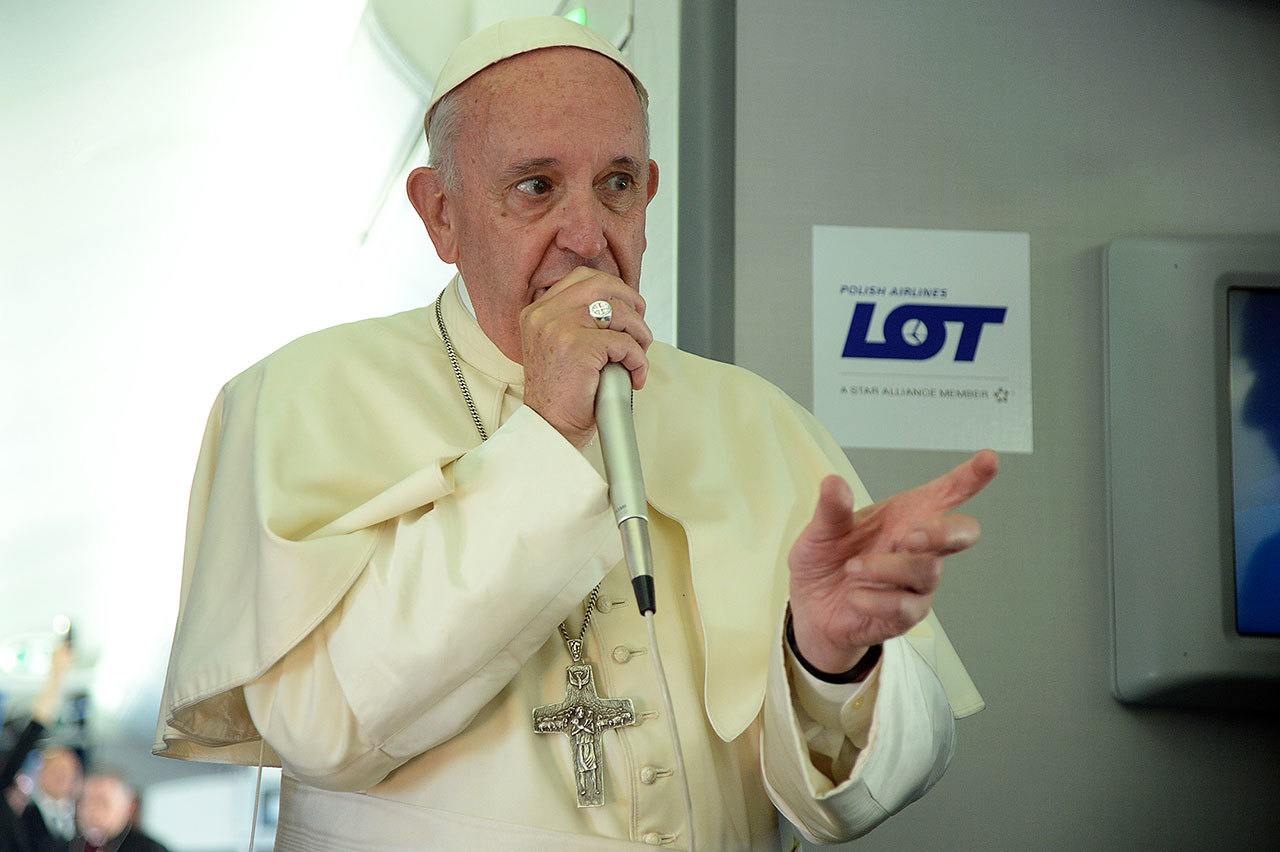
(1077, 122)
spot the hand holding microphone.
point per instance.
(584, 348)
(584, 353)
(565, 350)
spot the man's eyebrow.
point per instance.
(627, 162)
(523, 167)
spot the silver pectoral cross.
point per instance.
(583, 717)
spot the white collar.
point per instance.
(465, 296)
(470, 341)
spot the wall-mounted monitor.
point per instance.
(1250, 346)
(1192, 451)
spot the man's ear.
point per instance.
(427, 195)
(653, 179)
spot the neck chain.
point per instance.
(457, 372)
(583, 716)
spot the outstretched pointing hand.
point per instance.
(859, 578)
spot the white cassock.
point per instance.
(375, 593)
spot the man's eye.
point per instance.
(534, 186)
(619, 182)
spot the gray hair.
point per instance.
(444, 122)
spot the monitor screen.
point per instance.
(1254, 328)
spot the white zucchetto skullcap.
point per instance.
(506, 39)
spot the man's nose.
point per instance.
(581, 229)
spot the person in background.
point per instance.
(50, 817)
(44, 712)
(106, 820)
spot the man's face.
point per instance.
(59, 773)
(553, 175)
(104, 809)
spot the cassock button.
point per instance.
(650, 774)
(652, 838)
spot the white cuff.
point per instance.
(828, 704)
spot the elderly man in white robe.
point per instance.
(395, 526)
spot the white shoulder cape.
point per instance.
(306, 452)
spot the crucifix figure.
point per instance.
(584, 716)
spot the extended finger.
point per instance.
(901, 610)
(942, 535)
(919, 573)
(961, 482)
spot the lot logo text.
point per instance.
(916, 332)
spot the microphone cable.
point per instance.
(257, 795)
(620, 453)
(671, 725)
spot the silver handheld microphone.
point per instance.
(626, 480)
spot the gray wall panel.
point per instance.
(705, 260)
(1079, 123)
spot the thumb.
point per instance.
(833, 516)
